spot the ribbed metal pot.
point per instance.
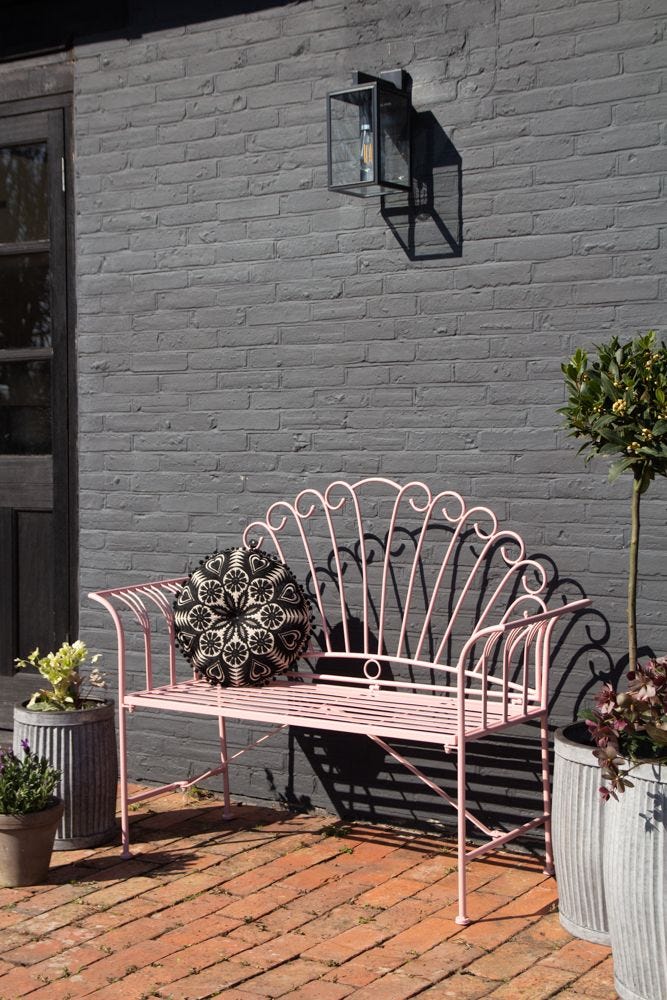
(635, 873)
(82, 745)
(578, 824)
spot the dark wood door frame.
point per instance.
(57, 109)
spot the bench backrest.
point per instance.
(399, 571)
(408, 586)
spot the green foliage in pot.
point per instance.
(26, 786)
(618, 405)
(70, 689)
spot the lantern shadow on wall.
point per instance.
(428, 220)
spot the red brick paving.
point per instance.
(281, 905)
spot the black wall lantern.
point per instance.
(368, 135)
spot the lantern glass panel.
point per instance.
(352, 144)
(394, 137)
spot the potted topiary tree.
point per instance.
(29, 815)
(609, 860)
(76, 732)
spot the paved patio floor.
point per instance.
(275, 904)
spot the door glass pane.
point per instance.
(25, 408)
(23, 193)
(25, 307)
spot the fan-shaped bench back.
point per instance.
(399, 570)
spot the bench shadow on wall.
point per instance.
(428, 222)
(361, 782)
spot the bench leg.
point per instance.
(224, 760)
(546, 791)
(124, 803)
(462, 917)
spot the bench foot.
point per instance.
(462, 921)
(549, 870)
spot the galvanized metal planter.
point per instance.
(635, 873)
(578, 822)
(82, 745)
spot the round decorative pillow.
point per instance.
(241, 617)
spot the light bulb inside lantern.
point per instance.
(366, 153)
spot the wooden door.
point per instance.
(35, 556)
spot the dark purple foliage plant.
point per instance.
(630, 727)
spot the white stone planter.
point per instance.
(82, 745)
(578, 821)
(635, 875)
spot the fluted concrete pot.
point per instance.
(578, 825)
(82, 745)
(26, 843)
(635, 874)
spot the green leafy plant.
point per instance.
(618, 404)
(26, 785)
(70, 689)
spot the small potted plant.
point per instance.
(29, 815)
(610, 859)
(75, 732)
(629, 728)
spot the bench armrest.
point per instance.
(503, 627)
(528, 636)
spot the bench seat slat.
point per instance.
(398, 715)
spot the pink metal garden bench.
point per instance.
(434, 611)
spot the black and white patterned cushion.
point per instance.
(242, 617)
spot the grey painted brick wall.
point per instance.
(242, 331)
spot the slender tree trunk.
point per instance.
(632, 577)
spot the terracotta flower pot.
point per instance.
(26, 843)
(82, 746)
